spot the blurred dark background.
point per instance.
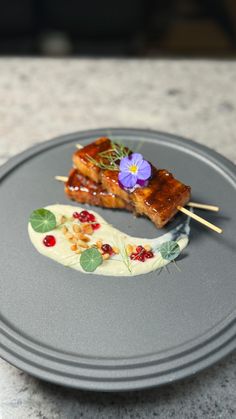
(118, 28)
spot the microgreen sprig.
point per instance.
(125, 258)
(110, 159)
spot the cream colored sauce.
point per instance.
(116, 265)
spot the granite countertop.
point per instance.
(43, 98)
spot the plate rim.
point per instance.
(144, 375)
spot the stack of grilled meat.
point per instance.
(89, 183)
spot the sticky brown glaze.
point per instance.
(82, 162)
(158, 200)
(109, 180)
(82, 189)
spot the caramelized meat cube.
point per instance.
(84, 164)
(158, 200)
(84, 190)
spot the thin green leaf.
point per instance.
(42, 220)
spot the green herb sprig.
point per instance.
(125, 258)
(110, 158)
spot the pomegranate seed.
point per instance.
(139, 249)
(49, 241)
(96, 226)
(84, 213)
(141, 257)
(141, 254)
(106, 248)
(84, 216)
(91, 217)
(149, 254)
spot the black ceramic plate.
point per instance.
(111, 333)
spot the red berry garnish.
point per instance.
(106, 248)
(84, 213)
(84, 216)
(49, 241)
(149, 254)
(141, 257)
(141, 254)
(139, 249)
(91, 217)
(95, 226)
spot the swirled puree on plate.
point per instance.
(83, 240)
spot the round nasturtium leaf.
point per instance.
(90, 259)
(169, 250)
(42, 220)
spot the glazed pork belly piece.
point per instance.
(159, 200)
(84, 190)
(84, 165)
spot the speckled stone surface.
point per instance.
(41, 99)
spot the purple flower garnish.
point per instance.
(134, 169)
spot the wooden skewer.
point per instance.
(200, 219)
(61, 178)
(203, 206)
(182, 209)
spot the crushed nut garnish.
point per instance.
(84, 245)
(76, 228)
(129, 249)
(69, 236)
(81, 236)
(87, 229)
(99, 244)
(77, 235)
(74, 247)
(63, 219)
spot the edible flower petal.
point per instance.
(127, 180)
(144, 171)
(133, 169)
